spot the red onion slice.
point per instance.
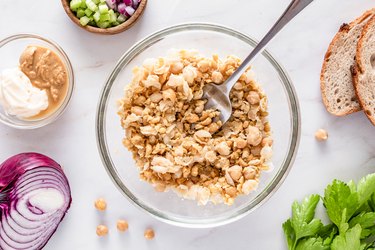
(128, 2)
(121, 8)
(111, 4)
(34, 198)
(135, 3)
(129, 11)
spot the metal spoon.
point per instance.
(218, 95)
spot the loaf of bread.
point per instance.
(336, 80)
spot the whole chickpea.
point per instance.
(122, 225)
(100, 204)
(149, 234)
(101, 230)
(321, 135)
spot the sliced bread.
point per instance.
(364, 70)
(336, 82)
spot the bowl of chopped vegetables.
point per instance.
(106, 17)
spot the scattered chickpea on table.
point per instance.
(122, 225)
(321, 135)
(149, 234)
(102, 230)
(100, 204)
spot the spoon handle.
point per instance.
(295, 7)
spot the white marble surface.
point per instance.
(348, 154)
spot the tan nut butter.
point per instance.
(46, 70)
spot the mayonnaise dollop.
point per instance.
(18, 96)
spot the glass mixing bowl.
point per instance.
(11, 49)
(208, 39)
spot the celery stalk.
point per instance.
(97, 16)
(75, 4)
(84, 20)
(96, 13)
(104, 18)
(83, 4)
(103, 8)
(91, 5)
(80, 13)
(88, 12)
(121, 18)
(112, 17)
(103, 25)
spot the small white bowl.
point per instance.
(11, 49)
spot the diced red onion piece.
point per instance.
(121, 8)
(135, 3)
(129, 11)
(128, 2)
(111, 4)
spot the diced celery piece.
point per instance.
(112, 16)
(84, 20)
(104, 18)
(103, 8)
(91, 5)
(75, 4)
(121, 18)
(80, 13)
(115, 23)
(96, 1)
(102, 1)
(88, 12)
(92, 23)
(103, 25)
(83, 4)
(97, 16)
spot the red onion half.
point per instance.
(34, 198)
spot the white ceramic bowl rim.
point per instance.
(115, 176)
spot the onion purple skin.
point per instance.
(19, 175)
(19, 164)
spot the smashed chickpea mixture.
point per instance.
(180, 146)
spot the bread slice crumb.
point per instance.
(336, 80)
(364, 70)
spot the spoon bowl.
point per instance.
(217, 99)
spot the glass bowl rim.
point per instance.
(53, 117)
(264, 195)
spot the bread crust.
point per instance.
(345, 28)
(358, 69)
